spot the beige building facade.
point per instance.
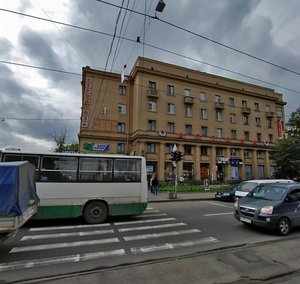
(224, 127)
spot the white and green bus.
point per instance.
(89, 185)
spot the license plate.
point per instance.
(242, 219)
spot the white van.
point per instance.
(247, 186)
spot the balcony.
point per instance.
(269, 114)
(188, 100)
(219, 105)
(153, 94)
(246, 110)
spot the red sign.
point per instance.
(279, 129)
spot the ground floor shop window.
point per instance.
(248, 170)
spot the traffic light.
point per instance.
(174, 156)
(179, 156)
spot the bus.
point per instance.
(93, 186)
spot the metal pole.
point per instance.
(176, 181)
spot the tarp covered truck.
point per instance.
(18, 197)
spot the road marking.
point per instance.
(64, 245)
(67, 227)
(158, 235)
(151, 215)
(217, 214)
(218, 204)
(145, 221)
(63, 235)
(151, 227)
(166, 246)
(24, 264)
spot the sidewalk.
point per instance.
(181, 196)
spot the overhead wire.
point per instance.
(209, 39)
(130, 40)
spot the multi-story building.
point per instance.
(224, 127)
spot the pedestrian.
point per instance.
(150, 183)
(154, 185)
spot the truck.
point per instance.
(18, 197)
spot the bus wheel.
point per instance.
(95, 212)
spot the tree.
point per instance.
(61, 142)
(293, 125)
(287, 153)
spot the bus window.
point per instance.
(95, 169)
(58, 168)
(127, 170)
(34, 160)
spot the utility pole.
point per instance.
(176, 156)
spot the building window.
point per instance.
(269, 122)
(260, 154)
(258, 137)
(121, 127)
(256, 106)
(233, 134)
(231, 102)
(245, 119)
(188, 111)
(219, 132)
(152, 106)
(247, 135)
(171, 127)
(244, 103)
(170, 90)
(270, 138)
(279, 112)
(187, 150)
(219, 152)
(122, 90)
(268, 108)
(152, 125)
(188, 129)
(219, 115)
(204, 131)
(152, 85)
(121, 148)
(122, 109)
(257, 121)
(203, 113)
(233, 152)
(151, 148)
(203, 97)
(169, 148)
(204, 151)
(232, 118)
(217, 99)
(247, 154)
(171, 108)
(187, 92)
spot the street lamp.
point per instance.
(160, 6)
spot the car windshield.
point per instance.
(246, 186)
(268, 193)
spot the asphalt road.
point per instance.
(166, 231)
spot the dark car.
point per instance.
(272, 206)
(227, 194)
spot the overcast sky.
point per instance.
(36, 104)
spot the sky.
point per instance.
(44, 45)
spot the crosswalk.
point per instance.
(151, 232)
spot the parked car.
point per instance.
(272, 206)
(245, 187)
(227, 194)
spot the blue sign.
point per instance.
(101, 147)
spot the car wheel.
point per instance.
(95, 212)
(283, 226)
